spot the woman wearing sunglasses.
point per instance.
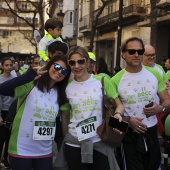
(30, 146)
(82, 147)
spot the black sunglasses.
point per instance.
(73, 62)
(57, 67)
(133, 51)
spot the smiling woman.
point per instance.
(85, 99)
(34, 125)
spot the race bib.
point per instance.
(44, 130)
(87, 128)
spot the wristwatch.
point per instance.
(163, 108)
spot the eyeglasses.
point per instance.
(133, 51)
(57, 67)
(150, 55)
(80, 62)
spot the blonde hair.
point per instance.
(78, 50)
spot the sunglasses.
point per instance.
(133, 51)
(80, 62)
(150, 55)
(57, 67)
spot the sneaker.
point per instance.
(5, 164)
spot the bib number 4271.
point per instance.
(87, 128)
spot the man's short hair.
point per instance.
(124, 44)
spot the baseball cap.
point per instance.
(92, 56)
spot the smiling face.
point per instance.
(149, 56)
(80, 68)
(56, 76)
(133, 61)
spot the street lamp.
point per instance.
(118, 68)
(60, 15)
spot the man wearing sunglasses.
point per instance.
(137, 86)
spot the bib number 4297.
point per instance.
(44, 130)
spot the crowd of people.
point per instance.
(60, 93)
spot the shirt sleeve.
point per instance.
(65, 107)
(110, 90)
(42, 48)
(7, 88)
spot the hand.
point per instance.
(1, 121)
(137, 125)
(119, 117)
(150, 111)
(39, 71)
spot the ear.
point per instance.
(123, 56)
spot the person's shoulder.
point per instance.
(150, 69)
(104, 75)
(153, 71)
(118, 75)
(158, 65)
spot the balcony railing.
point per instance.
(160, 2)
(133, 9)
(164, 4)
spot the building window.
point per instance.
(28, 34)
(24, 6)
(7, 33)
(71, 17)
(36, 20)
(110, 9)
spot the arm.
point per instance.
(65, 119)
(156, 108)
(43, 55)
(119, 109)
(42, 47)
(7, 88)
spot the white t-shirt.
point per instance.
(85, 99)
(38, 106)
(138, 89)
